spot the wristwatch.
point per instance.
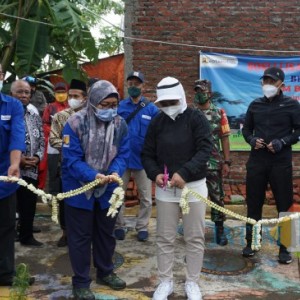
(228, 162)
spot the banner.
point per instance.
(236, 81)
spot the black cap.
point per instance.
(60, 86)
(78, 85)
(274, 73)
(138, 75)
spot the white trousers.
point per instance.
(168, 214)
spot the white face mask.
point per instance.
(171, 111)
(73, 103)
(270, 90)
(1, 85)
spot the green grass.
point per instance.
(237, 143)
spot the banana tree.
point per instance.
(32, 29)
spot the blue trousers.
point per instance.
(89, 232)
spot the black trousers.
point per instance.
(280, 178)
(7, 237)
(89, 231)
(26, 203)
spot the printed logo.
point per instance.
(66, 140)
(5, 117)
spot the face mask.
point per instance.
(201, 98)
(1, 85)
(105, 115)
(61, 97)
(73, 103)
(134, 92)
(171, 111)
(270, 90)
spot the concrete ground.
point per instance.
(225, 274)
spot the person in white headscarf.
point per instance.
(177, 145)
(95, 145)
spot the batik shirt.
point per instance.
(34, 141)
(220, 128)
(58, 122)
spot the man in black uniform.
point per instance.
(272, 125)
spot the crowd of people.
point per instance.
(89, 133)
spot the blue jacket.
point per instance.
(137, 128)
(12, 137)
(76, 170)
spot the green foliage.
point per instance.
(20, 284)
(32, 30)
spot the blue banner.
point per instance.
(236, 80)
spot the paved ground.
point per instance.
(226, 274)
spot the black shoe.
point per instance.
(62, 242)
(248, 252)
(36, 229)
(31, 242)
(284, 256)
(120, 234)
(9, 282)
(83, 294)
(113, 281)
(220, 235)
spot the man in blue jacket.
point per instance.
(12, 143)
(138, 113)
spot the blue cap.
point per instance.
(138, 75)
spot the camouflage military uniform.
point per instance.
(220, 128)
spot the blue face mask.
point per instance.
(105, 115)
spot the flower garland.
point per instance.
(116, 199)
(256, 229)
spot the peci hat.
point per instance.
(274, 73)
(169, 88)
(204, 85)
(60, 86)
(78, 85)
(138, 75)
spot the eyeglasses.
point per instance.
(108, 105)
(25, 92)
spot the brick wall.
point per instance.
(255, 24)
(262, 25)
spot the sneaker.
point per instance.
(119, 234)
(163, 290)
(113, 281)
(284, 256)
(31, 242)
(83, 294)
(62, 242)
(248, 252)
(142, 236)
(192, 290)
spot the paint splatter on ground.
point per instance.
(226, 274)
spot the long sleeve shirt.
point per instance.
(12, 137)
